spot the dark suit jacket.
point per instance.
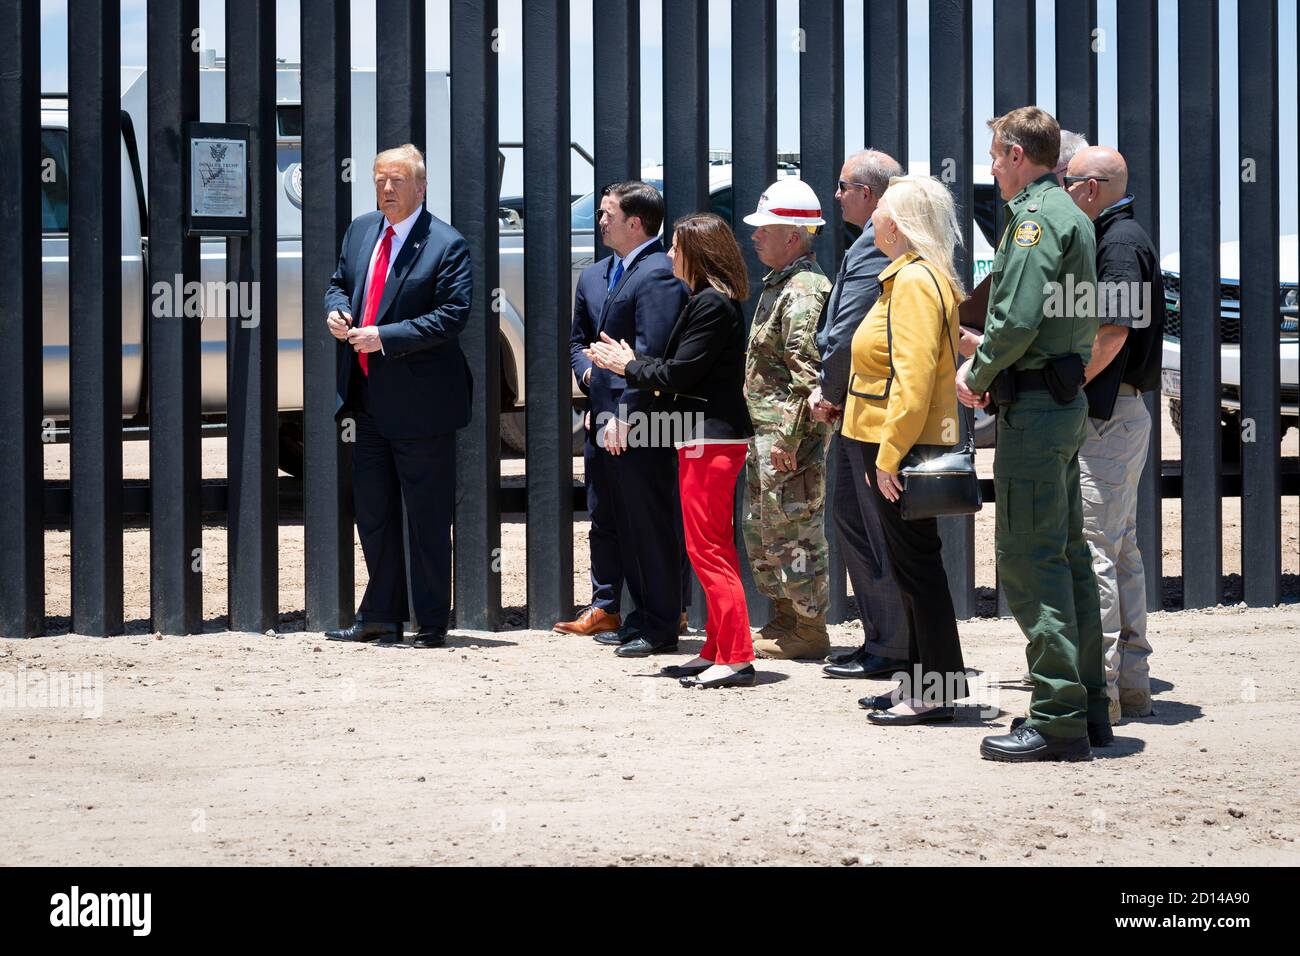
(702, 373)
(420, 384)
(641, 309)
(856, 289)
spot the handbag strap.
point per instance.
(969, 444)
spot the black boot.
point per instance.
(1025, 743)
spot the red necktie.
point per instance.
(378, 276)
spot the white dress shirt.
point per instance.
(400, 231)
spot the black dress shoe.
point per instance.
(362, 632)
(1099, 734)
(430, 637)
(845, 657)
(1025, 743)
(684, 670)
(865, 665)
(744, 677)
(641, 647)
(878, 702)
(614, 638)
(935, 715)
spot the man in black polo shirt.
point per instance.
(1125, 363)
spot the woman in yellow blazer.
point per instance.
(902, 397)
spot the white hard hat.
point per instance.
(789, 201)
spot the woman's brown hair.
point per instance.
(712, 257)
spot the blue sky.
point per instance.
(54, 77)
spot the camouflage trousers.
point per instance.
(785, 533)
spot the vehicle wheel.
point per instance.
(986, 429)
(291, 448)
(514, 431)
(1229, 430)
(1230, 436)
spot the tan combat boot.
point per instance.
(809, 641)
(1135, 702)
(1114, 711)
(782, 622)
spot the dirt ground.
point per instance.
(523, 747)
(530, 747)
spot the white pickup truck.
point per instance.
(1230, 339)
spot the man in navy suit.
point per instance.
(399, 300)
(632, 296)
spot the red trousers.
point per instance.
(707, 478)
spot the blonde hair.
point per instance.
(407, 153)
(926, 215)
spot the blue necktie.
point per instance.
(618, 274)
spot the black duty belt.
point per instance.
(1030, 380)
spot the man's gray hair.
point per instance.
(407, 154)
(873, 169)
(1071, 143)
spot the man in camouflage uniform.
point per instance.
(786, 473)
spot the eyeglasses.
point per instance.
(1071, 180)
(844, 184)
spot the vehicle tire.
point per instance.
(514, 431)
(986, 429)
(291, 448)
(1229, 430)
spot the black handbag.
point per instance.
(943, 484)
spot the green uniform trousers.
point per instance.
(1043, 560)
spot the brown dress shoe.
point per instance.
(589, 622)
(683, 624)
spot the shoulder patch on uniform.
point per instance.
(1028, 233)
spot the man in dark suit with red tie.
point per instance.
(635, 535)
(404, 382)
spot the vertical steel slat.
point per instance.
(175, 466)
(400, 98)
(1261, 464)
(329, 564)
(951, 130)
(252, 441)
(821, 154)
(22, 540)
(1077, 42)
(95, 313)
(753, 169)
(473, 214)
(884, 28)
(547, 303)
(1198, 216)
(1138, 97)
(616, 96)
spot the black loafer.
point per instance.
(363, 632)
(878, 702)
(430, 637)
(640, 647)
(936, 715)
(741, 678)
(1099, 735)
(614, 638)
(865, 666)
(1025, 744)
(683, 670)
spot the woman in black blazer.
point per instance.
(700, 403)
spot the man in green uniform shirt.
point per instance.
(1038, 337)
